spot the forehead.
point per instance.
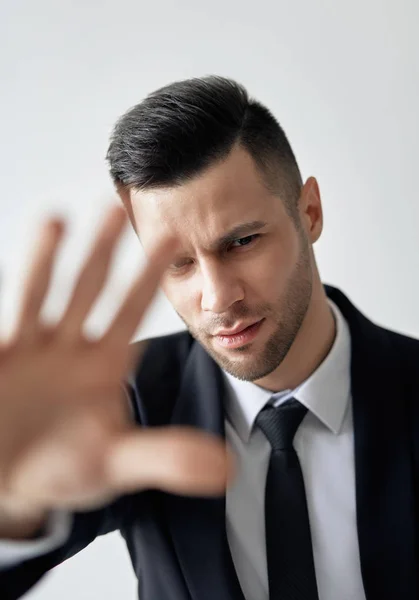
(226, 194)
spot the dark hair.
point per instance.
(184, 127)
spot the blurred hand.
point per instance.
(66, 436)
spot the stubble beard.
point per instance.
(287, 313)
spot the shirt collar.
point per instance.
(325, 393)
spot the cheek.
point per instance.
(266, 277)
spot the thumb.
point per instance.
(182, 460)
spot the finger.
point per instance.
(94, 273)
(39, 277)
(180, 460)
(140, 295)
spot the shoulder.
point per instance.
(404, 343)
(162, 350)
(156, 378)
(367, 332)
(406, 350)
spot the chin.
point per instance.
(250, 367)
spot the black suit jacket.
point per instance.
(178, 545)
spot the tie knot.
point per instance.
(280, 424)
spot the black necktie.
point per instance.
(288, 540)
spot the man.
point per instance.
(316, 403)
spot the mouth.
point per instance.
(239, 335)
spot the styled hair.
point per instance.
(179, 130)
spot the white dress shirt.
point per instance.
(324, 444)
(325, 448)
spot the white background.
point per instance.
(342, 78)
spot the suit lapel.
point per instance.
(198, 524)
(384, 485)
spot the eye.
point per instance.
(180, 264)
(244, 241)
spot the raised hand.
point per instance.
(67, 439)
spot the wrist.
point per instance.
(18, 521)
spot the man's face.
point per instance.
(242, 278)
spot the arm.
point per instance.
(26, 562)
(54, 532)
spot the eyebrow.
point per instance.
(238, 232)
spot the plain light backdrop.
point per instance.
(342, 78)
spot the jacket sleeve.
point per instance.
(54, 534)
(17, 579)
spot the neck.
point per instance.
(311, 346)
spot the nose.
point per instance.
(221, 288)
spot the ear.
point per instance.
(311, 212)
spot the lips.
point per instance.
(240, 337)
(235, 331)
